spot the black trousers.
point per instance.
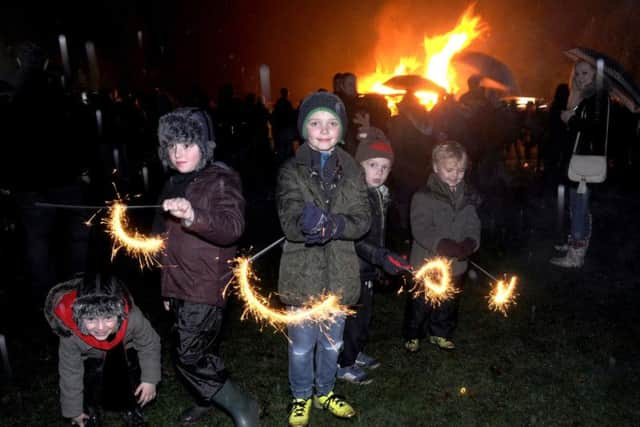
(197, 348)
(111, 382)
(356, 328)
(422, 318)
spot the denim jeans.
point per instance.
(314, 341)
(579, 208)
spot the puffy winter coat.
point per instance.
(197, 255)
(436, 214)
(310, 271)
(75, 348)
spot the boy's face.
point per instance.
(323, 131)
(100, 327)
(376, 171)
(450, 170)
(184, 156)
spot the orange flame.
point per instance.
(438, 51)
(503, 296)
(433, 280)
(326, 308)
(136, 245)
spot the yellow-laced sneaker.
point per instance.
(299, 412)
(334, 404)
(443, 343)
(412, 345)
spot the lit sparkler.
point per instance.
(135, 244)
(327, 308)
(433, 280)
(503, 296)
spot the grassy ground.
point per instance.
(566, 355)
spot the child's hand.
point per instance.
(394, 264)
(146, 392)
(180, 208)
(79, 420)
(467, 247)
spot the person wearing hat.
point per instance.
(375, 155)
(203, 219)
(323, 209)
(101, 329)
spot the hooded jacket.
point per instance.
(437, 213)
(74, 348)
(309, 271)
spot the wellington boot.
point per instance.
(244, 410)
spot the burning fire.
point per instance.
(325, 309)
(136, 245)
(502, 296)
(433, 280)
(438, 51)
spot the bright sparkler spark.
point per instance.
(256, 306)
(433, 280)
(503, 296)
(135, 244)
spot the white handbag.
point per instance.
(584, 168)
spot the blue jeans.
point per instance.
(306, 340)
(579, 208)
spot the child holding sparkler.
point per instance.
(375, 155)
(204, 218)
(444, 222)
(323, 208)
(106, 343)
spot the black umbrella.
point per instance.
(491, 69)
(414, 82)
(621, 85)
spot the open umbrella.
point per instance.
(414, 82)
(621, 85)
(496, 74)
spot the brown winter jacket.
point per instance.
(197, 255)
(436, 214)
(73, 350)
(310, 271)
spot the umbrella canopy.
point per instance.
(621, 85)
(495, 73)
(414, 82)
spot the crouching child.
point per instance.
(109, 355)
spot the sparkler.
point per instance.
(502, 296)
(433, 280)
(135, 245)
(325, 308)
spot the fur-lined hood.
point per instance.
(55, 296)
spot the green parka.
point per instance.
(437, 213)
(310, 271)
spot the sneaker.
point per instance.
(365, 361)
(412, 345)
(334, 404)
(299, 412)
(134, 418)
(353, 374)
(442, 342)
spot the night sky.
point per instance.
(210, 42)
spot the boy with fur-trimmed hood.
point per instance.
(101, 328)
(203, 219)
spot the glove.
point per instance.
(394, 264)
(467, 246)
(449, 248)
(312, 219)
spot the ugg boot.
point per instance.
(243, 409)
(574, 257)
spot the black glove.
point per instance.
(312, 219)
(319, 226)
(395, 264)
(449, 248)
(467, 246)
